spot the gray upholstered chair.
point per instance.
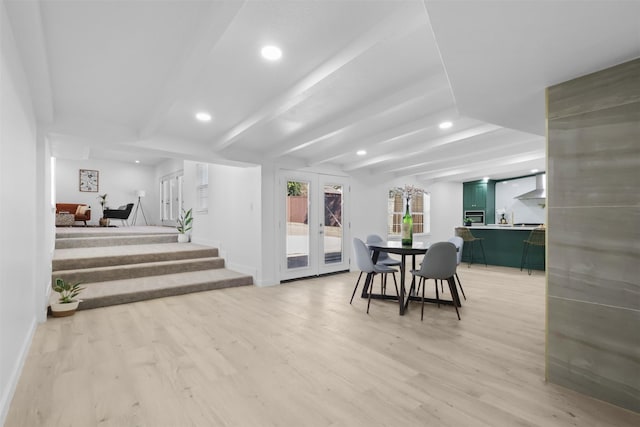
(383, 257)
(439, 263)
(459, 243)
(366, 265)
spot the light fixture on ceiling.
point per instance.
(271, 53)
(203, 116)
(137, 161)
(361, 152)
(534, 170)
(485, 179)
(445, 125)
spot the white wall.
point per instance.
(19, 214)
(446, 209)
(232, 222)
(528, 211)
(119, 180)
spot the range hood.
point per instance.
(539, 193)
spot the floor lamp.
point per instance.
(140, 193)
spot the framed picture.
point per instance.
(88, 180)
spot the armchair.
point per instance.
(122, 213)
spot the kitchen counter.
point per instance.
(503, 246)
(503, 227)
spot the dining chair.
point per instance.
(366, 265)
(459, 243)
(468, 237)
(383, 257)
(536, 238)
(439, 263)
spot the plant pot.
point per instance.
(64, 310)
(467, 224)
(183, 238)
(104, 222)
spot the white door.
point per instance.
(171, 200)
(314, 224)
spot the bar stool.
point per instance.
(536, 238)
(469, 238)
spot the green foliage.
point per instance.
(294, 188)
(184, 222)
(103, 200)
(68, 291)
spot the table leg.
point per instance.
(402, 291)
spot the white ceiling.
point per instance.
(123, 79)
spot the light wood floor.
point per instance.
(299, 355)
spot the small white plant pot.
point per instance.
(183, 238)
(64, 310)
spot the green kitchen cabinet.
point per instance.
(480, 196)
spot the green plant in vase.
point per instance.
(67, 303)
(184, 225)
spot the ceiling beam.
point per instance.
(422, 147)
(482, 168)
(397, 134)
(377, 107)
(402, 22)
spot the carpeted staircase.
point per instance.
(125, 267)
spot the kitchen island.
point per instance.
(503, 246)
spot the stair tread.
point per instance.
(137, 265)
(129, 250)
(151, 283)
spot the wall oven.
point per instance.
(477, 217)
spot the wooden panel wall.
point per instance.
(593, 195)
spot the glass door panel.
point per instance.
(332, 224)
(297, 224)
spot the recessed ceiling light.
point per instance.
(203, 116)
(445, 125)
(137, 161)
(272, 53)
(534, 170)
(361, 152)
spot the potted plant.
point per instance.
(184, 225)
(104, 222)
(468, 222)
(67, 303)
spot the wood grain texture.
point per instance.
(298, 354)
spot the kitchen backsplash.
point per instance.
(527, 211)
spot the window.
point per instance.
(420, 207)
(202, 187)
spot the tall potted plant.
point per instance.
(104, 222)
(67, 303)
(184, 226)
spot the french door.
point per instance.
(314, 226)
(171, 199)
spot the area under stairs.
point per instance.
(121, 267)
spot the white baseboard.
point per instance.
(10, 389)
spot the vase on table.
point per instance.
(407, 227)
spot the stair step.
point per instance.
(76, 235)
(78, 258)
(91, 242)
(101, 294)
(117, 272)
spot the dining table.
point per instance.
(413, 250)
